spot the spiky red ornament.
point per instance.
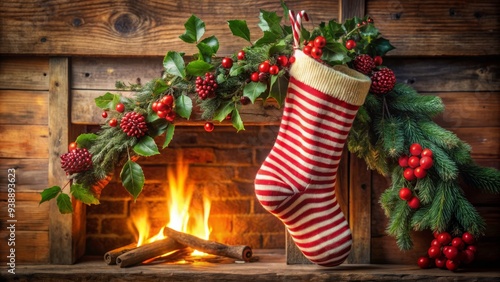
(76, 160)
(364, 64)
(133, 124)
(383, 81)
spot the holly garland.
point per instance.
(393, 131)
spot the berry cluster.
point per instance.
(406, 194)
(206, 87)
(266, 68)
(76, 160)
(383, 81)
(417, 164)
(449, 253)
(164, 108)
(314, 48)
(134, 124)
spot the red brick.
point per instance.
(230, 207)
(92, 225)
(210, 173)
(99, 245)
(107, 208)
(242, 156)
(115, 191)
(220, 223)
(262, 223)
(116, 226)
(247, 173)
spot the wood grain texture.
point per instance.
(23, 107)
(29, 214)
(27, 73)
(32, 247)
(133, 28)
(436, 28)
(24, 141)
(32, 174)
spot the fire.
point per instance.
(182, 217)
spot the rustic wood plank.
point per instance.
(24, 141)
(32, 247)
(29, 73)
(30, 215)
(351, 8)
(31, 174)
(292, 252)
(434, 28)
(359, 210)
(455, 74)
(115, 28)
(23, 107)
(484, 141)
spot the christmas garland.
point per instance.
(393, 131)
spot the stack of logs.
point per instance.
(178, 244)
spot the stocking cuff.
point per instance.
(339, 82)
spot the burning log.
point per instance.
(148, 251)
(209, 247)
(111, 256)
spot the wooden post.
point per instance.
(66, 232)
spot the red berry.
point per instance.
(282, 60)
(414, 203)
(264, 67)
(424, 262)
(403, 161)
(435, 242)
(467, 256)
(472, 248)
(310, 44)
(170, 116)
(254, 77)
(405, 194)
(291, 60)
(241, 55)
(426, 153)
(468, 238)
(440, 262)
(263, 77)
(377, 60)
(435, 234)
(415, 149)
(408, 174)
(426, 162)
(113, 122)
(274, 69)
(350, 44)
(209, 127)
(120, 107)
(227, 63)
(167, 100)
(451, 252)
(307, 50)
(434, 252)
(316, 52)
(444, 238)
(154, 107)
(104, 114)
(72, 146)
(244, 100)
(420, 172)
(452, 264)
(458, 243)
(162, 114)
(320, 41)
(413, 161)
(383, 81)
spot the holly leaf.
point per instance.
(226, 109)
(86, 140)
(236, 120)
(169, 135)
(278, 88)
(174, 64)
(146, 147)
(198, 68)
(382, 46)
(156, 125)
(195, 28)
(267, 38)
(253, 90)
(50, 193)
(212, 42)
(132, 178)
(335, 29)
(160, 86)
(205, 52)
(239, 28)
(270, 21)
(64, 203)
(236, 70)
(84, 195)
(278, 47)
(184, 106)
(107, 101)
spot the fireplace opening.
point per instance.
(202, 181)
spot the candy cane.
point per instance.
(296, 22)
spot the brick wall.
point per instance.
(222, 165)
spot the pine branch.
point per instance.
(468, 217)
(484, 178)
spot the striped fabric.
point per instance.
(296, 182)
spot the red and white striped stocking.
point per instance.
(296, 182)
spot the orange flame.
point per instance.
(181, 217)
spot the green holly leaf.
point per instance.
(84, 195)
(382, 46)
(278, 47)
(239, 28)
(132, 178)
(270, 21)
(205, 52)
(278, 88)
(146, 147)
(184, 106)
(212, 42)
(334, 29)
(159, 87)
(237, 69)
(195, 28)
(369, 32)
(253, 90)
(225, 110)
(107, 101)
(50, 193)
(174, 64)
(335, 54)
(169, 135)
(236, 120)
(86, 140)
(64, 203)
(198, 68)
(156, 125)
(267, 38)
